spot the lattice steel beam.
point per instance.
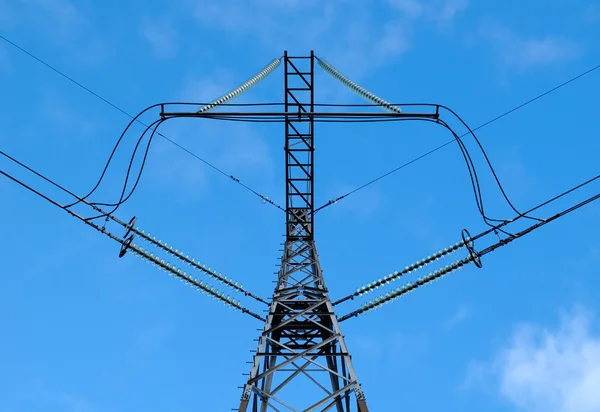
(302, 362)
(299, 146)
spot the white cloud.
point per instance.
(57, 17)
(346, 33)
(437, 10)
(532, 52)
(269, 17)
(351, 35)
(66, 26)
(394, 42)
(450, 8)
(410, 8)
(235, 147)
(162, 37)
(543, 370)
(209, 88)
(289, 3)
(63, 13)
(522, 53)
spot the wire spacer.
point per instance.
(130, 226)
(470, 245)
(125, 245)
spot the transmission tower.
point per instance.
(301, 340)
(302, 362)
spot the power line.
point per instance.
(265, 199)
(481, 126)
(130, 226)
(306, 349)
(428, 112)
(392, 277)
(155, 260)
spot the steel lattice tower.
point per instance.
(302, 362)
(301, 343)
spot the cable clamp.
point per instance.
(128, 237)
(470, 245)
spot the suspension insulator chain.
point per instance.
(133, 230)
(356, 88)
(409, 287)
(392, 277)
(185, 277)
(261, 75)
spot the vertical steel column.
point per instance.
(299, 146)
(302, 362)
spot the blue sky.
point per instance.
(84, 331)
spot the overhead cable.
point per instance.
(449, 142)
(134, 229)
(474, 257)
(135, 118)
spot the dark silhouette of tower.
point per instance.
(301, 344)
(302, 362)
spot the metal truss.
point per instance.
(299, 146)
(301, 344)
(302, 362)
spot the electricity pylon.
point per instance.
(301, 342)
(302, 362)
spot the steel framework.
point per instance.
(302, 362)
(301, 342)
